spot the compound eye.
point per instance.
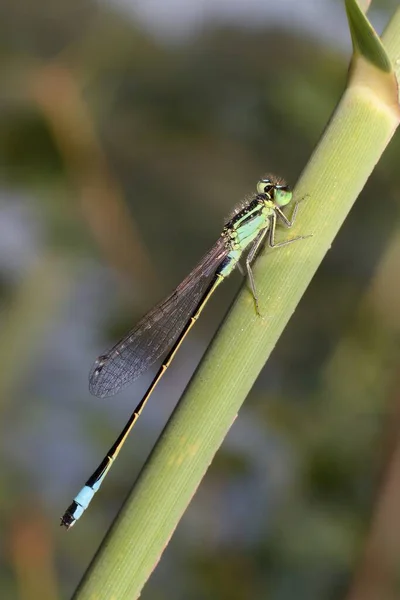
(264, 186)
(283, 188)
(282, 195)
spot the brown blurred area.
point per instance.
(121, 153)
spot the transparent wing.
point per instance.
(155, 332)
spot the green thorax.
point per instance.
(244, 227)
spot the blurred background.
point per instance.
(128, 131)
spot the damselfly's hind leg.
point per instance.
(254, 250)
(270, 232)
(250, 258)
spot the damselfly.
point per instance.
(166, 326)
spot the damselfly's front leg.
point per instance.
(288, 223)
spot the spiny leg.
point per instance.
(250, 258)
(249, 281)
(271, 243)
(288, 223)
(270, 231)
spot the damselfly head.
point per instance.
(276, 189)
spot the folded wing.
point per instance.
(156, 332)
